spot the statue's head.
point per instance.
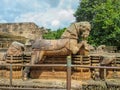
(84, 28)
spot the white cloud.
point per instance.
(53, 18)
(66, 14)
(42, 12)
(55, 23)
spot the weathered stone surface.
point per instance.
(15, 49)
(27, 29)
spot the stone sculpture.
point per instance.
(68, 43)
(15, 49)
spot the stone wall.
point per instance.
(27, 29)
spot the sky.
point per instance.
(51, 14)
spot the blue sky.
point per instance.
(53, 14)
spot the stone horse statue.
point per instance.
(68, 43)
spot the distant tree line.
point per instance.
(54, 34)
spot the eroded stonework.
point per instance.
(27, 29)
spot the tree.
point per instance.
(59, 32)
(104, 15)
(54, 34)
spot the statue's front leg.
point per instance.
(37, 56)
(40, 56)
(26, 71)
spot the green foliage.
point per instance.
(104, 16)
(54, 34)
